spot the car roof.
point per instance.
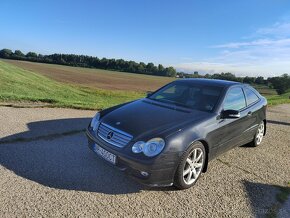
(214, 82)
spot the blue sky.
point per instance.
(247, 37)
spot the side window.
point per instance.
(251, 96)
(235, 99)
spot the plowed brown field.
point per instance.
(95, 78)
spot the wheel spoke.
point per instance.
(194, 173)
(188, 161)
(198, 165)
(259, 139)
(261, 129)
(198, 158)
(194, 155)
(189, 176)
(185, 172)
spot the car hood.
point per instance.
(146, 117)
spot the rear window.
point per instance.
(251, 96)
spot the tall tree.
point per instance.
(170, 71)
(31, 55)
(260, 80)
(249, 80)
(281, 84)
(19, 53)
(6, 53)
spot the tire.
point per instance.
(259, 135)
(187, 172)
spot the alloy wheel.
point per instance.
(193, 166)
(260, 133)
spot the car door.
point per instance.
(252, 111)
(231, 130)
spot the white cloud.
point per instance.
(240, 69)
(259, 42)
(277, 30)
(267, 55)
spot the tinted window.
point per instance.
(235, 99)
(188, 95)
(251, 96)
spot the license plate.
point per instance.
(105, 154)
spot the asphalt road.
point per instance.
(46, 170)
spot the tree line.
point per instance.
(281, 83)
(91, 62)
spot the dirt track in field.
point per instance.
(95, 78)
(46, 170)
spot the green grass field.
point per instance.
(278, 99)
(272, 96)
(17, 84)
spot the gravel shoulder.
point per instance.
(47, 170)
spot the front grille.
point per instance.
(113, 136)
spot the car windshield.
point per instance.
(192, 96)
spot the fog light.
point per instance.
(143, 173)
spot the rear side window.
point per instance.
(251, 96)
(235, 99)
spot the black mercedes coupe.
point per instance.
(169, 137)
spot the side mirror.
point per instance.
(148, 94)
(230, 114)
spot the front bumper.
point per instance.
(160, 170)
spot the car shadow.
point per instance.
(54, 153)
(278, 122)
(264, 197)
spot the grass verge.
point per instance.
(17, 84)
(278, 99)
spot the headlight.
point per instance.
(151, 148)
(95, 121)
(138, 147)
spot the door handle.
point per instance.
(249, 113)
